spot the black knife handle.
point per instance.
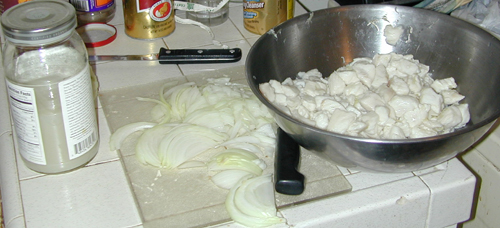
(287, 179)
(198, 56)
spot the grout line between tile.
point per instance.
(131, 188)
(32, 177)
(102, 162)
(21, 216)
(430, 199)
(384, 183)
(135, 226)
(18, 190)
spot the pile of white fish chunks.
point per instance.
(391, 96)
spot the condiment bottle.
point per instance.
(148, 19)
(94, 11)
(49, 86)
(259, 16)
(6, 4)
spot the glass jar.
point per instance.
(50, 86)
(94, 11)
(209, 18)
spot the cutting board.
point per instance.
(187, 197)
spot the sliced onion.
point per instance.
(235, 153)
(162, 90)
(191, 164)
(219, 114)
(241, 216)
(264, 138)
(185, 141)
(175, 89)
(185, 99)
(245, 146)
(255, 197)
(159, 113)
(146, 149)
(116, 139)
(228, 178)
(235, 160)
(242, 139)
(210, 117)
(260, 163)
(165, 108)
(235, 130)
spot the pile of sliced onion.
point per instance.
(251, 202)
(237, 159)
(219, 115)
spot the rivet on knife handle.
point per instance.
(187, 56)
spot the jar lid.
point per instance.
(97, 34)
(38, 20)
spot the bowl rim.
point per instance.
(275, 111)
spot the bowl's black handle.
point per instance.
(287, 179)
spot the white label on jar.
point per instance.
(77, 111)
(77, 104)
(26, 124)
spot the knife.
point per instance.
(178, 56)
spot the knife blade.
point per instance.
(178, 56)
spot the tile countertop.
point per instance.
(99, 195)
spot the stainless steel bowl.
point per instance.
(328, 39)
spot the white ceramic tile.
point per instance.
(363, 180)
(314, 4)
(104, 154)
(5, 125)
(299, 10)
(96, 196)
(439, 167)
(475, 223)
(9, 183)
(188, 69)
(487, 212)
(124, 45)
(117, 75)
(16, 223)
(489, 146)
(401, 203)
(252, 40)
(199, 37)
(118, 19)
(25, 172)
(353, 171)
(344, 171)
(236, 16)
(452, 193)
(138, 226)
(233, 224)
(182, 13)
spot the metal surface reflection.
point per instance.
(328, 39)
